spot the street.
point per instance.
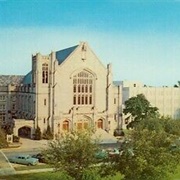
(28, 146)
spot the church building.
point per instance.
(67, 90)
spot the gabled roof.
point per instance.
(64, 53)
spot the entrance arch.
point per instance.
(83, 122)
(24, 131)
(23, 128)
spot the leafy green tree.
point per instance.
(171, 126)
(151, 124)
(73, 153)
(37, 135)
(139, 108)
(151, 158)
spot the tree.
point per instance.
(73, 153)
(151, 158)
(139, 108)
(8, 128)
(3, 142)
(37, 135)
(151, 124)
(48, 134)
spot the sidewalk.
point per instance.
(34, 171)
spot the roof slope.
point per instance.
(10, 79)
(64, 53)
(28, 78)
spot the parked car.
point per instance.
(101, 154)
(24, 159)
(40, 157)
(114, 152)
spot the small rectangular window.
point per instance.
(79, 100)
(115, 117)
(74, 100)
(13, 106)
(90, 99)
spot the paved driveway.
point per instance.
(33, 144)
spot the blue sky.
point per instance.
(140, 38)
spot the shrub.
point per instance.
(48, 134)
(3, 142)
(90, 174)
(37, 135)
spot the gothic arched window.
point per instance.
(44, 73)
(83, 82)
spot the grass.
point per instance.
(53, 175)
(176, 176)
(38, 176)
(57, 176)
(50, 176)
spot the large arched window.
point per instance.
(84, 83)
(44, 73)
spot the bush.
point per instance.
(48, 134)
(3, 142)
(90, 174)
(37, 135)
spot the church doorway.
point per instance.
(82, 124)
(24, 131)
(100, 124)
(65, 126)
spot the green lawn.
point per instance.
(57, 176)
(176, 176)
(38, 176)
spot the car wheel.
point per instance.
(29, 164)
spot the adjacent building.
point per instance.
(167, 99)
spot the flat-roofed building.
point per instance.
(166, 99)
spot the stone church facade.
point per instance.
(67, 89)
